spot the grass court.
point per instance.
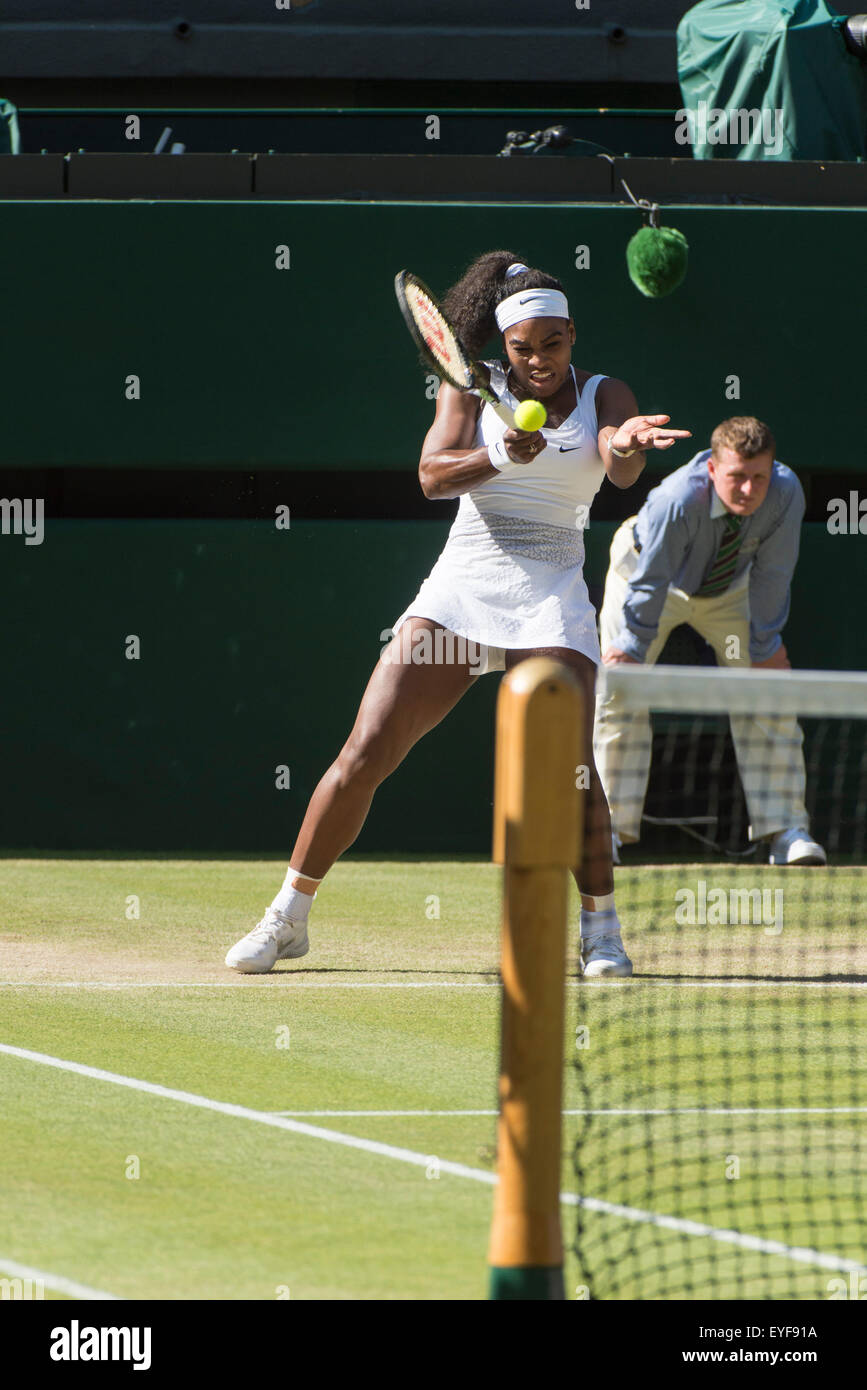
(327, 1131)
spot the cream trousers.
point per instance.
(769, 749)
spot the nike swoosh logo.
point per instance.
(570, 450)
(526, 299)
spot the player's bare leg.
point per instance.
(602, 950)
(403, 701)
(406, 696)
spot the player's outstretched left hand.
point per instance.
(646, 432)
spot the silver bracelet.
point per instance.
(618, 453)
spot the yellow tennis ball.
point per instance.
(530, 416)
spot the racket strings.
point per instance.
(438, 337)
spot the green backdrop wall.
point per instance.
(255, 648)
(256, 643)
(245, 366)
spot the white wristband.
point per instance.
(619, 453)
(499, 456)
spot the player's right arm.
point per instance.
(450, 462)
(662, 553)
(771, 579)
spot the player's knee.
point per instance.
(365, 761)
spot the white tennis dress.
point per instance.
(510, 575)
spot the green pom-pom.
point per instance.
(657, 258)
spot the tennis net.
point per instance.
(721, 1092)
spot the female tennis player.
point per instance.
(507, 586)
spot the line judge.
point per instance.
(714, 546)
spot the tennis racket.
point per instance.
(440, 345)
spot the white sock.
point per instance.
(596, 924)
(600, 904)
(291, 902)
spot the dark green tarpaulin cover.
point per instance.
(757, 58)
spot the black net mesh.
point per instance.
(720, 1094)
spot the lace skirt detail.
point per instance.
(508, 583)
(557, 546)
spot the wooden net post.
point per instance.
(537, 837)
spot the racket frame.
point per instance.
(476, 376)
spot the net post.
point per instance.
(537, 838)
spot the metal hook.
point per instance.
(650, 210)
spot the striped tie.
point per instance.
(722, 571)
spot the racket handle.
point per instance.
(501, 409)
(483, 387)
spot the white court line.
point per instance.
(684, 1110)
(281, 981)
(738, 1110)
(800, 1254)
(390, 1114)
(247, 982)
(56, 1282)
(242, 1112)
(733, 983)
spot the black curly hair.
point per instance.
(470, 303)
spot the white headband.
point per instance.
(531, 304)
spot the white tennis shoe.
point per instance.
(796, 847)
(274, 938)
(604, 955)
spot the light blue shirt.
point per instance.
(679, 530)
